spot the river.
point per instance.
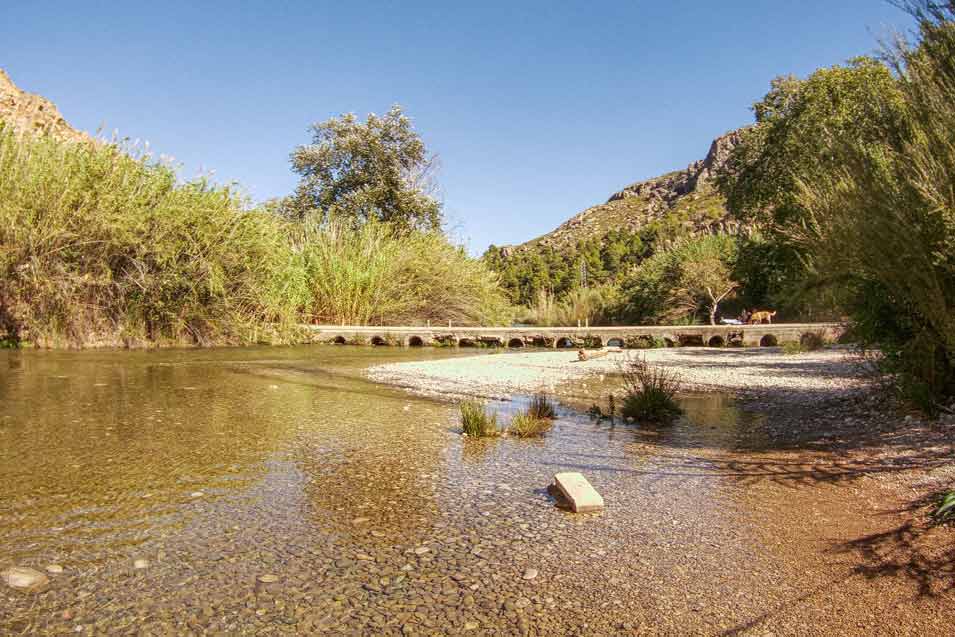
(276, 491)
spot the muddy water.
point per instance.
(275, 491)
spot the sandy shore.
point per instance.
(746, 372)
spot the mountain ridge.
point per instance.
(686, 197)
(28, 113)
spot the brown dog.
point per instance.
(762, 317)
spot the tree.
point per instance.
(800, 126)
(674, 284)
(881, 226)
(706, 266)
(378, 169)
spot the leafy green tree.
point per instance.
(880, 227)
(800, 126)
(378, 169)
(692, 277)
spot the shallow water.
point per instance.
(374, 515)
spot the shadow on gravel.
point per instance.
(749, 470)
(917, 550)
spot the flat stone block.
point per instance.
(582, 496)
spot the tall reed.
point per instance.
(99, 244)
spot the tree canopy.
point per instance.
(378, 169)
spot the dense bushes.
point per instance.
(583, 306)
(98, 245)
(369, 274)
(881, 227)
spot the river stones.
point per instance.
(25, 579)
(54, 569)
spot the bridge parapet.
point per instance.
(637, 336)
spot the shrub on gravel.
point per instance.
(650, 392)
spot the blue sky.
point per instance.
(536, 110)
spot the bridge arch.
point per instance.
(615, 341)
(515, 343)
(339, 340)
(716, 341)
(415, 341)
(691, 340)
(466, 342)
(669, 342)
(564, 342)
(378, 341)
(768, 340)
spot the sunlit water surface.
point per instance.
(371, 511)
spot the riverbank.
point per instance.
(746, 372)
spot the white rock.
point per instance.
(530, 573)
(582, 496)
(140, 564)
(55, 569)
(24, 579)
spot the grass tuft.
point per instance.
(476, 421)
(526, 425)
(541, 407)
(650, 392)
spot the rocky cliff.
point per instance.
(27, 113)
(681, 200)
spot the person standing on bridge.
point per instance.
(744, 316)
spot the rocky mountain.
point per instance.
(29, 113)
(684, 200)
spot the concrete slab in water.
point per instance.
(582, 496)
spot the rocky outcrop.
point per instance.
(27, 113)
(674, 185)
(685, 197)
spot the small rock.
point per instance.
(196, 494)
(530, 573)
(471, 625)
(25, 579)
(268, 578)
(421, 550)
(359, 520)
(140, 564)
(55, 569)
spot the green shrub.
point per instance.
(369, 274)
(650, 392)
(945, 510)
(541, 407)
(791, 348)
(526, 425)
(476, 422)
(99, 245)
(813, 341)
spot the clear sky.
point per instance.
(537, 110)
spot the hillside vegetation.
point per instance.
(602, 244)
(101, 245)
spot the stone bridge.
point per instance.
(638, 336)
